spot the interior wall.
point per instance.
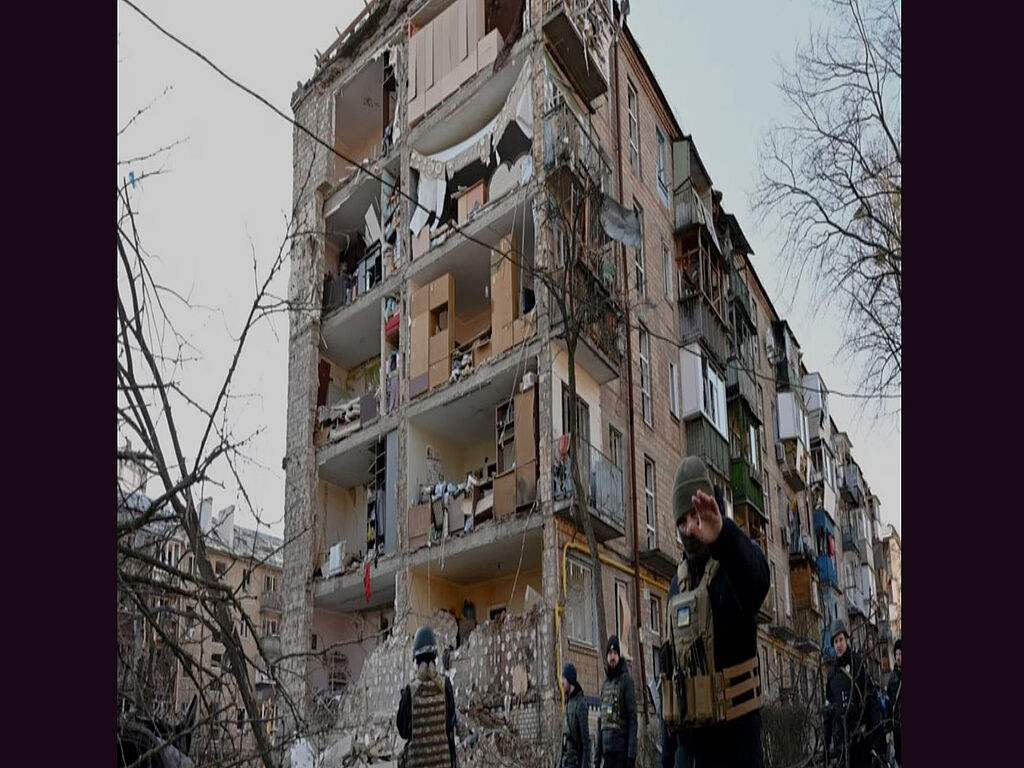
(445, 594)
(344, 516)
(456, 460)
(354, 634)
(586, 387)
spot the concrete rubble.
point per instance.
(497, 677)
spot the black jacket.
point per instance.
(405, 714)
(853, 712)
(576, 747)
(737, 591)
(894, 700)
(618, 742)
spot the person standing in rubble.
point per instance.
(616, 720)
(853, 717)
(575, 729)
(710, 681)
(426, 713)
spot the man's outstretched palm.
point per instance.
(708, 518)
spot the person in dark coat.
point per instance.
(427, 734)
(894, 704)
(853, 717)
(736, 592)
(616, 720)
(575, 729)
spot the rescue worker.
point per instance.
(575, 730)
(616, 720)
(724, 574)
(894, 704)
(852, 709)
(426, 713)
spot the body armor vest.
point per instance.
(696, 691)
(611, 706)
(428, 747)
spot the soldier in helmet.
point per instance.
(616, 721)
(853, 717)
(426, 714)
(710, 681)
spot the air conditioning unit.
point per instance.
(780, 453)
(336, 558)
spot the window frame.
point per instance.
(668, 271)
(633, 127)
(639, 259)
(575, 566)
(661, 164)
(646, 402)
(673, 389)
(650, 502)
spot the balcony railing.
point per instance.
(703, 440)
(792, 458)
(744, 485)
(606, 498)
(578, 34)
(801, 546)
(567, 143)
(690, 212)
(851, 485)
(271, 601)
(738, 290)
(827, 573)
(739, 381)
(699, 322)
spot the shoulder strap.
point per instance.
(683, 575)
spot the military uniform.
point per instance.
(728, 578)
(852, 713)
(616, 720)
(426, 712)
(575, 729)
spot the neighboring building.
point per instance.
(151, 677)
(428, 394)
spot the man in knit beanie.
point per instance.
(616, 720)
(575, 730)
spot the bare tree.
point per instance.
(832, 177)
(164, 605)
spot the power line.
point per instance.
(519, 260)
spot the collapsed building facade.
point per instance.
(428, 396)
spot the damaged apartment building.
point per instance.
(428, 398)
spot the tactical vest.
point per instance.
(611, 705)
(569, 726)
(696, 692)
(428, 747)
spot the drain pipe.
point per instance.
(629, 384)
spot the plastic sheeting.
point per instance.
(620, 224)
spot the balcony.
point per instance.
(271, 602)
(607, 501)
(746, 485)
(739, 293)
(851, 486)
(659, 556)
(808, 627)
(856, 601)
(792, 458)
(851, 542)
(739, 382)
(827, 573)
(703, 440)
(575, 30)
(699, 322)
(693, 217)
(801, 546)
(569, 146)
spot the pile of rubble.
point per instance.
(497, 678)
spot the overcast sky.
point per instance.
(228, 188)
